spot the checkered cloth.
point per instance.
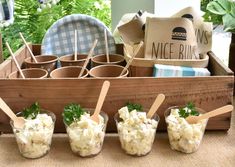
(178, 71)
(59, 39)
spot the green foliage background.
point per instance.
(34, 24)
(208, 16)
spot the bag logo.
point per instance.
(188, 16)
(179, 33)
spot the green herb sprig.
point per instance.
(184, 113)
(72, 113)
(134, 106)
(32, 111)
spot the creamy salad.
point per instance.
(34, 139)
(183, 136)
(85, 135)
(136, 131)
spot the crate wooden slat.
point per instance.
(53, 94)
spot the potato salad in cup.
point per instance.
(85, 135)
(34, 139)
(184, 137)
(136, 132)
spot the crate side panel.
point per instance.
(206, 92)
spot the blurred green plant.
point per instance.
(209, 16)
(34, 24)
(220, 12)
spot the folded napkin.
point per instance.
(178, 71)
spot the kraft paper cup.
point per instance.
(47, 62)
(68, 60)
(30, 73)
(115, 59)
(68, 72)
(104, 71)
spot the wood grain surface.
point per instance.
(53, 94)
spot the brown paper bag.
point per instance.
(170, 38)
(132, 31)
(203, 30)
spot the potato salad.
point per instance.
(86, 136)
(34, 139)
(136, 131)
(183, 136)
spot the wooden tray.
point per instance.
(53, 94)
(143, 67)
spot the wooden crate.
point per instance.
(53, 94)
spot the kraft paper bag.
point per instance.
(170, 38)
(132, 32)
(131, 28)
(203, 30)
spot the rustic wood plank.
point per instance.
(55, 94)
(217, 67)
(8, 66)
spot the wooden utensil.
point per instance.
(27, 46)
(13, 56)
(157, 103)
(18, 121)
(106, 46)
(132, 58)
(103, 93)
(75, 45)
(88, 58)
(213, 113)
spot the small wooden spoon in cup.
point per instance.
(157, 103)
(13, 57)
(18, 121)
(27, 46)
(103, 93)
(88, 58)
(75, 46)
(213, 113)
(106, 45)
(132, 58)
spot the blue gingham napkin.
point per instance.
(178, 71)
(59, 39)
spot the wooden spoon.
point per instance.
(106, 45)
(27, 46)
(88, 58)
(218, 111)
(75, 45)
(18, 121)
(103, 93)
(132, 58)
(13, 56)
(157, 103)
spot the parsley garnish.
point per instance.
(133, 106)
(72, 113)
(32, 111)
(184, 113)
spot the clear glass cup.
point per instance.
(182, 137)
(87, 142)
(34, 143)
(136, 142)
